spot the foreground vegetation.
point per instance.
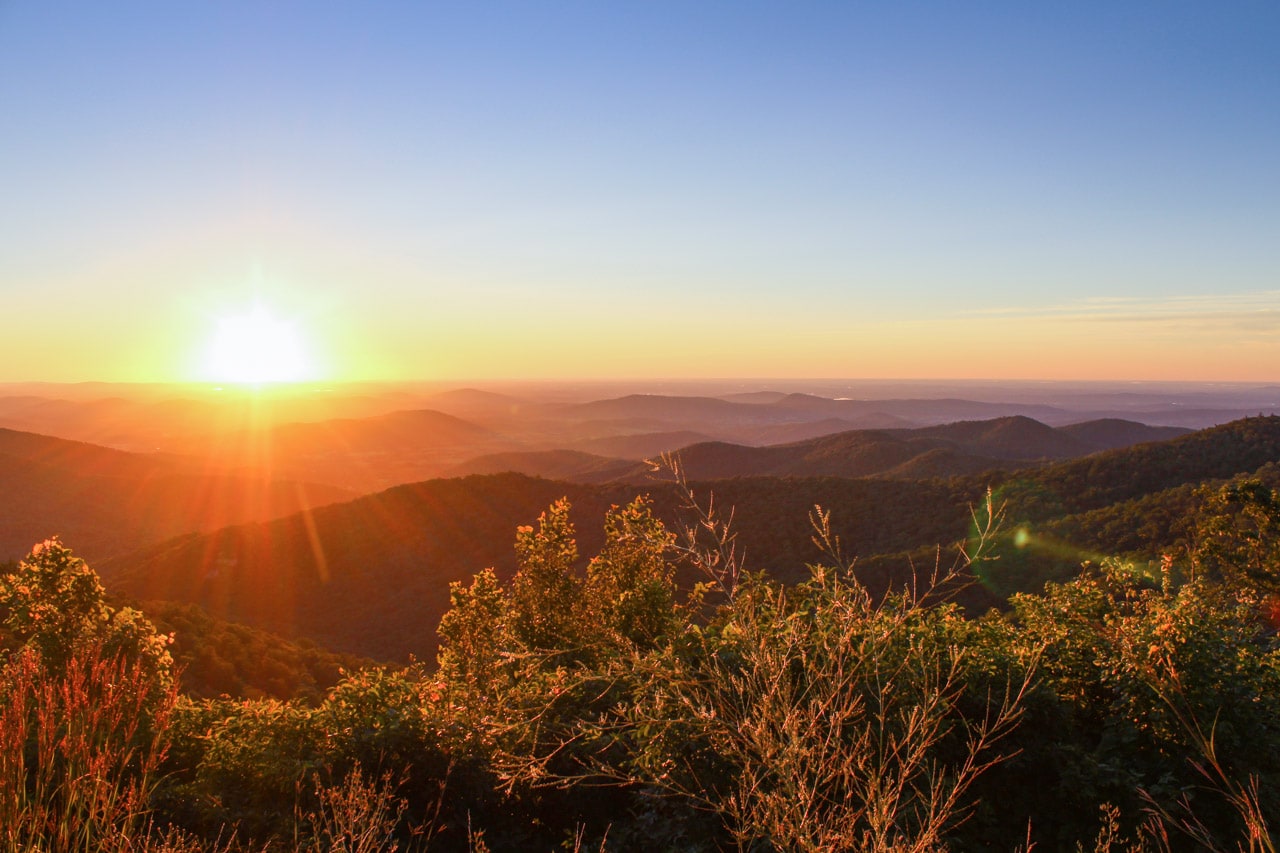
(606, 707)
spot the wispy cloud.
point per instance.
(1250, 313)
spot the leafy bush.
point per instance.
(54, 603)
(1134, 664)
(590, 703)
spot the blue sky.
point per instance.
(591, 189)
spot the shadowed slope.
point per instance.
(107, 501)
(371, 576)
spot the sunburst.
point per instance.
(255, 348)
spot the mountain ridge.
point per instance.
(371, 576)
(971, 446)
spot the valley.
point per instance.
(347, 531)
(383, 587)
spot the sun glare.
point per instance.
(256, 348)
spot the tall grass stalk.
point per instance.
(79, 751)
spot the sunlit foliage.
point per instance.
(592, 702)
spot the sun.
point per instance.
(256, 348)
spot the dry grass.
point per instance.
(79, 750)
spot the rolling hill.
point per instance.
(108, 501)
(1101, 479)
(571, 465)
(373, 453)
(639, 446)
(371, 576)
(965, 447)
(1114, 433)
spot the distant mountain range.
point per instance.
(250, 507)
(371, 576)
(365, 438)
(966, 447)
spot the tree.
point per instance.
(54, 603)
(473, 637)
(545, 593)
(1237, 537)
(631, 589)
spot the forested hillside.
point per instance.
(772, 663)
(112, 501)
(614, 709)
(369, 577)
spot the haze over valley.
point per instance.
(118, 466)
(525, 426)
(901, 471)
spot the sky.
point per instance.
(470, 191)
